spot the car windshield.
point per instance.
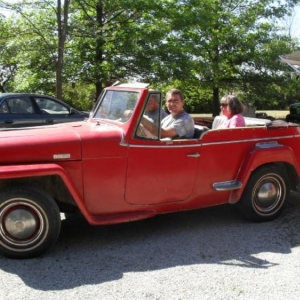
(116, 105)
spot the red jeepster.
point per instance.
(111, 170)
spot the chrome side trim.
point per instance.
(261, 141)
(227, 185)
(250, 140)
(162, 146)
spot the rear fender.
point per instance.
(261, 154)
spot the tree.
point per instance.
(223, 43)
(62, 29)
(206, 47)
(41, 29)
(8, 64)
(108, 39)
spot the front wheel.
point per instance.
(29, 222)
(265, 195)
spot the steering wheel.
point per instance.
(143, 132)
(140, 131)
(126, 115)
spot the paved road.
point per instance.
(206, 254)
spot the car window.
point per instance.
(4, 108)
(19, 105)
(49, 106)
(153, 113)
(117, 105)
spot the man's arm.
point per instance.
(164, 132)
(168, 132)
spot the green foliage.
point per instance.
(204, 47)
(80, 96)
(226, 43)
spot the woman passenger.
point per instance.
(231, 109)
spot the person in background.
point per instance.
(231, 109)
(178, 124)
(153, 108)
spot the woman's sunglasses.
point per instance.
(224, 104)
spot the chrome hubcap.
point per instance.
(21, 223)
(268, 194)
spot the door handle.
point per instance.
(196, 155)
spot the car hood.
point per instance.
(61, 142)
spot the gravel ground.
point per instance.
(206, 254)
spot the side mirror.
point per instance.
(72, 111)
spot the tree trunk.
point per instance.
(216, 102)
(62, 25)
(99, 51)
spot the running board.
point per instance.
(108, 219)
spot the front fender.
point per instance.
(36, 170)
(261, 154)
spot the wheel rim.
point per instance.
(269, 194)
(22, 224)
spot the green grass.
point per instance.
(277, 114)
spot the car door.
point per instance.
(18, 111)
(53, 111)
(160, 170)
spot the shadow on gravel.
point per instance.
(86, 255)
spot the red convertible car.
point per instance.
(111, 170)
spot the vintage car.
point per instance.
(111, 170)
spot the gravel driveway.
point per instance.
(206, 254)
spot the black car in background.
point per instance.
(26, 109)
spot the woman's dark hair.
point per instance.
(235, 105)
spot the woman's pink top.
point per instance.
(235, 121)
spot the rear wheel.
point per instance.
(29, 222)
(265, 195)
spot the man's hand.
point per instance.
(126, 115)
